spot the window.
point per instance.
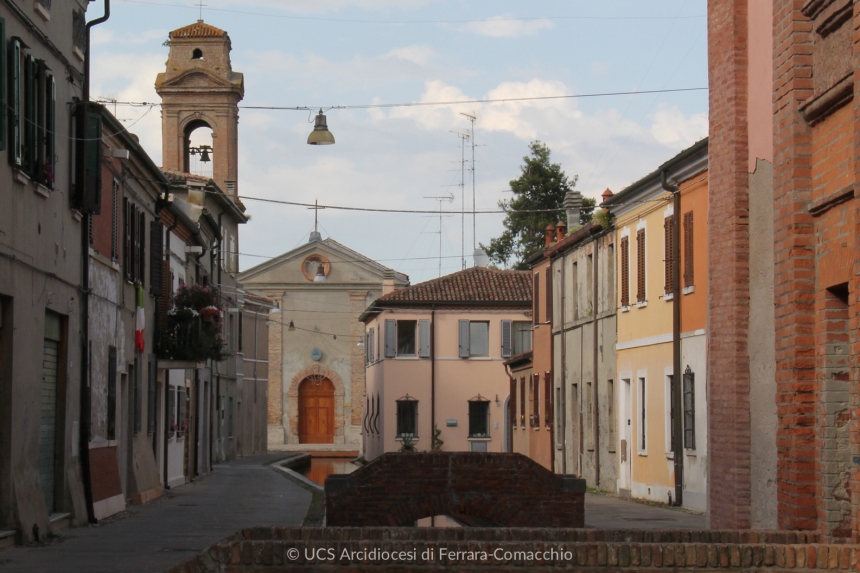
(574, 290)
(520, 336)
(171, 411)
(625, 272)
(407, 417)
(640, 266)
(141, 247)
(424, 338)
(111, 394)
(642, 418)
(536, 299)
(79, 31)
(590, 303)
(688, 249)
(114, 231)
(589, 416)
(406, 337)
(548, 304)
(689, 409)
(479, 417)
(479, 339)
(547, 398)
(181, 421)
(151, 406)
(138, 395)
(230, 417)
(668, 258)
(533, 401)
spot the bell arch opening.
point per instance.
(198, 156)
(197, 54)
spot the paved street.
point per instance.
(187, 520)
(609, 512)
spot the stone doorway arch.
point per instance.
(316, 371)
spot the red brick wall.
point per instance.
(397, 489)
(728, 246)
(103, 222)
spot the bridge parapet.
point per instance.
(397, 489)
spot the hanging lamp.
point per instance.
(320, 135)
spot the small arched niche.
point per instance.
(198, 135)
(197, 54)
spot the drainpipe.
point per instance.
(551, 373)
(596, 417)
(86, 406)
(563, 371)
(677, 395)
(432, 374)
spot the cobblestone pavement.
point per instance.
(188, 519)
(604, 511)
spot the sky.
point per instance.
(328, 53)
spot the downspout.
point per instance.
(86, 406)
(509, 434)
(551, 372)
(562, 371)
(432, 374)
(596, 417)
(166, 376)
(677, 395)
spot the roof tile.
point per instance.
(477, 284)
(198, 30)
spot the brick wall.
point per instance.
(322, 549)
(510, 489)
(728, 245)
(102, 226)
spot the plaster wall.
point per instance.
(540, 435)
(694, 354)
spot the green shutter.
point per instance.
(15, 102)
(3, 109)
(30, 115)
(51, 129)
(41, 105)
(93, 135)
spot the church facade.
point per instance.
(316, 365)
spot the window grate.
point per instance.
(479, 418)
(407, 417)
(689, 409)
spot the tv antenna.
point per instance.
(472, 119)
(450, 199)
(463, 137)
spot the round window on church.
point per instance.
(311, 265)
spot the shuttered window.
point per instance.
(547, 398)
(625, 271)
(390, 349)
(523, 401)
(536, 297)
(50, 130)
(111, 394)
(463, 338)
(669, 263)
(15, 140)
(115, 217)
(688, 249)
(138, 395)
(548, 287)
(640, 265)
(39, 171)
(141, 246)
(507, 338)
(151, 406)
(29, 120)
(536, 400)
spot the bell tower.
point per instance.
(200, 89)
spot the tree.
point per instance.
(541, 186)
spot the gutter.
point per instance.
(432, 375)
(595, 419)
(376, 306)
(86, 398)
(677, 377)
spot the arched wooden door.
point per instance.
(316, 411)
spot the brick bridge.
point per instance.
(475, 550)
(397, 489)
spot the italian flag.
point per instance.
(139, 322)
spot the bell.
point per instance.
(320, 135)
(320, 276)
(204, 154)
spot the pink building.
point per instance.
(434, 354)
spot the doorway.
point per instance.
(626, 437)
(316, 411)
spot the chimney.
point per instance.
(388, 282)
(572, 206)
(561, 229)
(550, 235)
(606, 196)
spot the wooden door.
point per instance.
(316, 411)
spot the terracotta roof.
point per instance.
(477, 284)
(175, 175)
(198, 30)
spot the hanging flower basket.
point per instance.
(194, 326)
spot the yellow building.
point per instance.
(644, 214)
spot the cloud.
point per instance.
(507, 27)
(672, 126)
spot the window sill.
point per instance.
(406, 357)
(41, 11)
(479, 439)
(670, 455)
(642, 304)
(478, 357)
(20, 177)
(78, 53)
(691, 453)
(669, 297)
(625, 309)
(42, 191)
(690, 289)
(414, 439)
(642, 454)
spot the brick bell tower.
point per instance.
(200, 89)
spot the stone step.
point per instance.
(7, 539)
(60, 521)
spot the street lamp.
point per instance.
(320, 135)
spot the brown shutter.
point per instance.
(625, 271)
(536, 396)
(688, 249)
(536, 297)
(126, 239)
(156, 256)
(669, 264)
(141, 253)
(549, 294)
(547, 397)
(522, 401)
(165, 299)
(640, 265)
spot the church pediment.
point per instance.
(197, 79)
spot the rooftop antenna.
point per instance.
(200, 5)
(450, 199)
(472, 119)
(463, 137)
